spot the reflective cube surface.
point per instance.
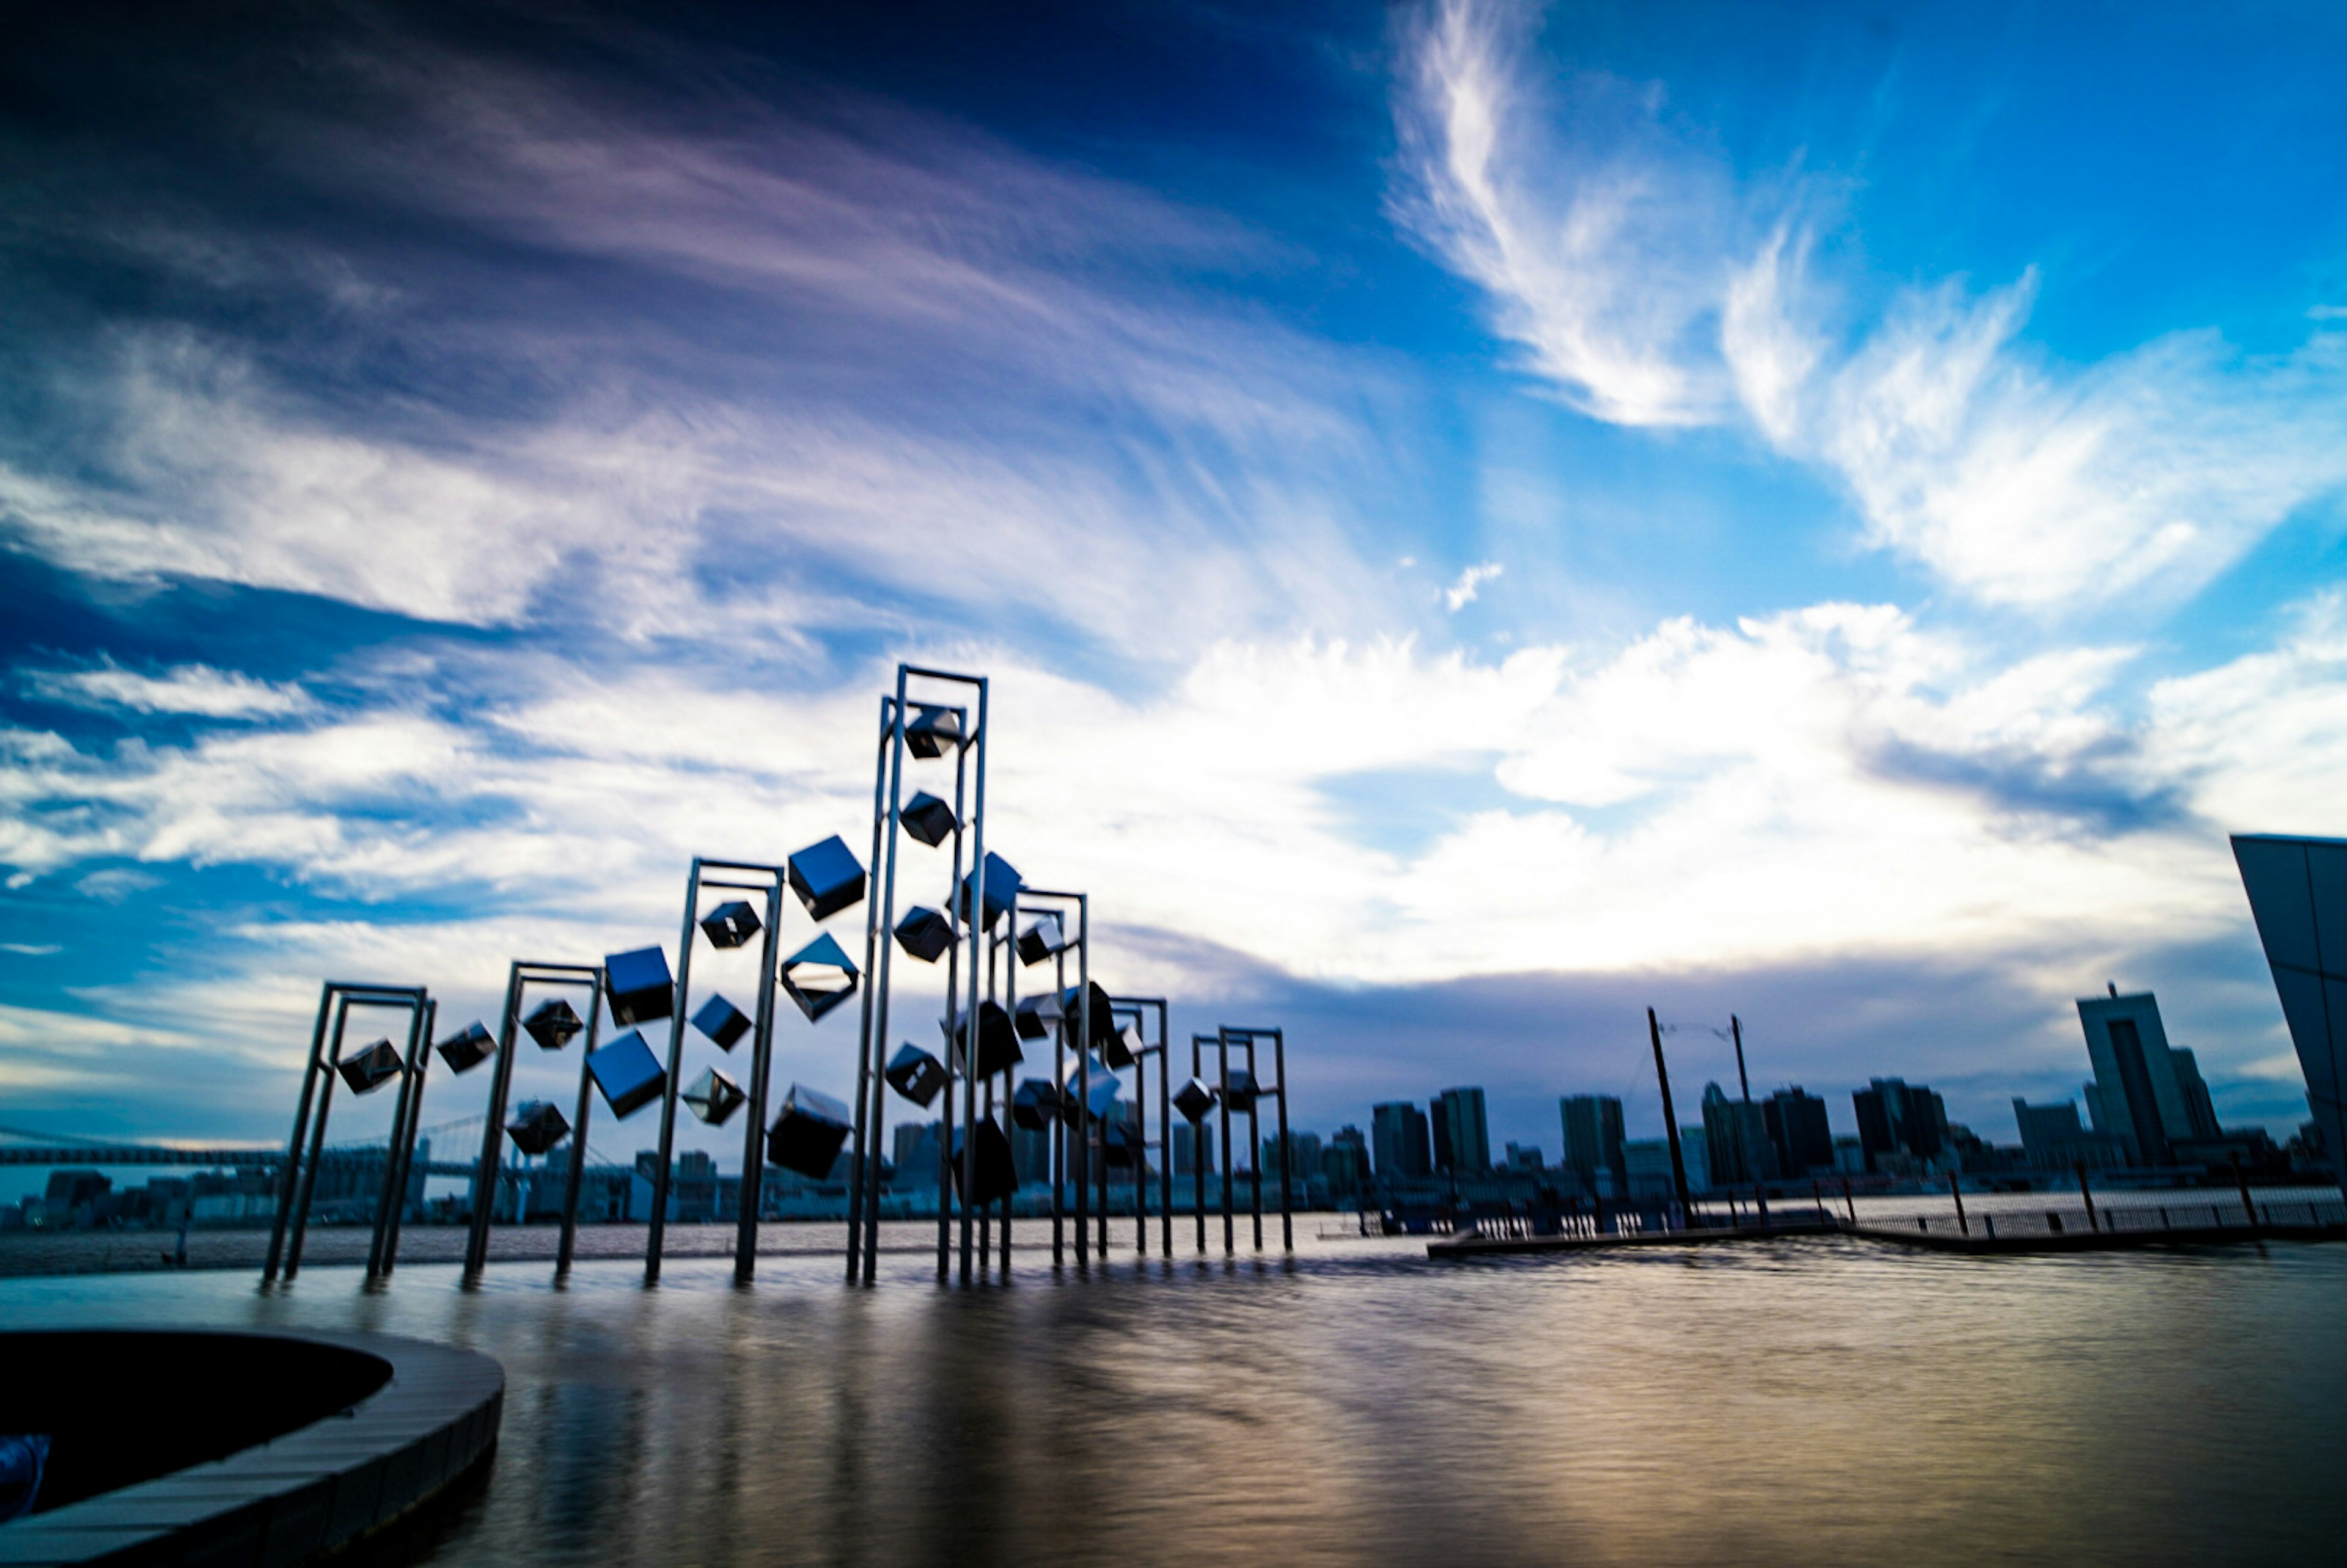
(1038, 1015)
(997, 1176)
(638, 985)
(721, 1021)
(928, 818)
(925, 933)
(807, 1136)
(818, 977)
(1096, 1090)
(627, 1073)
(713, 1098)
(1039, 938)
(998, 1042)
(731, 924)
(553, 1024)
(1194, 1100)
(1100, 1021)
(1002, 885)
(538, 1126)
(932, 732)
(468, 1047)
(828, 877)
(915, 1074)
(371, 1068)
(1037, 1104)
(1240, 1090)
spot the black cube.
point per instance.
(933, 732)
(997, 1175)
(468, 1048)
(818, 977)
(1194, 1100)
(627, 1073)
(1038, 1015)
(1002, 885)
(1044, 937)
(553, 1024)
(828, 877)
(713, 1098)
(998, 1041)
(537, 1127)
(1103, 1019)
(638, 985)
(1240, 1090)
(809, 1133)
(1037, 1104)
(721, 1021)
(1123, 1049)
(928, 818)
(1104, 1088)
(915, 1074)
(731, 924)
(371, 1069)
(925, 933)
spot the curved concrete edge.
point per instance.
(297, 1497)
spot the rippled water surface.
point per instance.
(1795, 1401)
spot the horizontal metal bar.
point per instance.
(943, 675)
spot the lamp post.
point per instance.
(467, 1049)
(297, 1180)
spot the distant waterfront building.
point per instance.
(1398, 1130)
(1462, 1134)
(1344, 1163)
(1798, 1132)
(1193, 1149)
(2143, 1092)
(1524, 1157)
(2052, 1139)
(1902, 1126)
(914, 1155)
(1646, 1164)
(1593, 1142)
(1735, 1139)
(2298, 893)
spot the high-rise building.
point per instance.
(2142, 1091)
(1193, 1149)
(1592, 1140)
(2052, 1139)
(1798, 1132)
(914, 1153)
(1344, 1163)
(2298, 893)
(1524, 1157)
(1398, 1131)
(1899, 1123)
(1462, 1135)
(1735, 1139)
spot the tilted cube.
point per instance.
(1101, 1020)
(721, 1021)
(1119, 1146)
(818, 977)
(1037, 1104)
(638, 985)
(932, 732)
(828, 877)
(553, 1024)
(928, 818)
(627, 1073)
(1240, 1090)
(468, 1048)
(1002, 885)
(998, 1042)
(925, 933)
(538, 1126)
(1123, 1049)
(714, 1097)
(371, 1069)
(1194, 1100)
(1042, 937)
(731, 924)
(997, 1175)
(1038, 1015)
(1099, 1094)
(807, 1136)
(915, 1074)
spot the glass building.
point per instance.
(2298, 893)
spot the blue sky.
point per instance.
(1480, 520)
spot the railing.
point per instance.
(2131, 1218)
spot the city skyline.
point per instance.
(1480, 523)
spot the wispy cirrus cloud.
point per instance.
(1649, 285)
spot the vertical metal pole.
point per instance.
(1670, 1120)
(1165, 1133)
(1735, 1028)
(1141, 1148)
(318, 1139)
(485, 1175)
(569, 1245)
(865, 1187)
(403, 1128)
(1059, 1110)
(1009, 1120)
(1286, 1200)
(983, 742)
(290, 1173)
(1198, 1159)
(657, 1237)
(1222, 1046)
(1254, 1140)
(954, 913)
(762, 1052)
(407, 1143)
(1081, 1142)
(892, 713)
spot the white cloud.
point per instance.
(1651, 288)
(1462, 594)
(195, 689)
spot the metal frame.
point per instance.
(298, 1178)
(1056, 901)
(1139, 1007)
(970, 819)
(383, 1249)
(771, 880)
(519, 976)
(567, 1248)
(1230, 1035)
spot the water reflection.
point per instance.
(1797, 1402)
